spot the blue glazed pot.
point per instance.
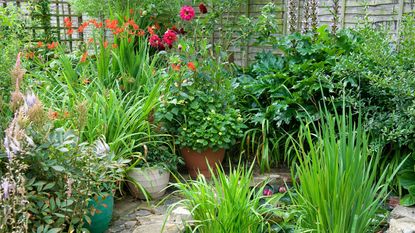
(101, 217)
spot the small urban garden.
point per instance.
(214, 116)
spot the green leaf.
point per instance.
(58, 168)
(408, 200)
(54, 230)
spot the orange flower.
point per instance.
(53, 115)
(39, 44)
(105, 44)
(131, 11)
(157, 25)
(141, 32)
(86, 81)
(176, 67)
(30, 55)
(69, 32)
(111, 24)
(91, 40)
(66, 114)
(68, 22)
(98, 25)
(150, 30)
(84, 57)
(191, 66)
(118, 31)
(114, 46)
(52, 45)
(129, 40)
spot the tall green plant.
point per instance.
(339, 189)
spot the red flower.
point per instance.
(105, 44)
(169, 37)
(84, 57)
(203, 8)
(39, 44)
(191, 66)
(131, 11)
(91, 40)
(187, 13)
(156, 42)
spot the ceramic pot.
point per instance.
(197, 162)
(101, 217)
(153, 180)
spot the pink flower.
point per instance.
(187, 13)
(169, 37)
(267, 192)
(156, 42)
(282, 189)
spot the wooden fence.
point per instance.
(385, 12)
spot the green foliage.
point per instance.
(278, 91)
(227, 203)
(63, 176)
(339, 189)
(407, 180)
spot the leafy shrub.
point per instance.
(61, 174)
(278, 91)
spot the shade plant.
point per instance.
(339, 188)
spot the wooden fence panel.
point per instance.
(380, 12)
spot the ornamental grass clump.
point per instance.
(227, 203)
(339, 189)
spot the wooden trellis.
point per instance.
(48, 25)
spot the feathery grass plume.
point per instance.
(82, 111)
(292, 15)
(314, 14)
(14, 216)
(307, 17)
(335, 11)
(17, 74)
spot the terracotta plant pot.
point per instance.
(153, 180)
(196, 162)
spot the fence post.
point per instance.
(343, 13)
(401, 9)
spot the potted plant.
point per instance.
(148, 179)
(104, 172)
(197, 106)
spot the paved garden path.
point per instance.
(137, 216)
